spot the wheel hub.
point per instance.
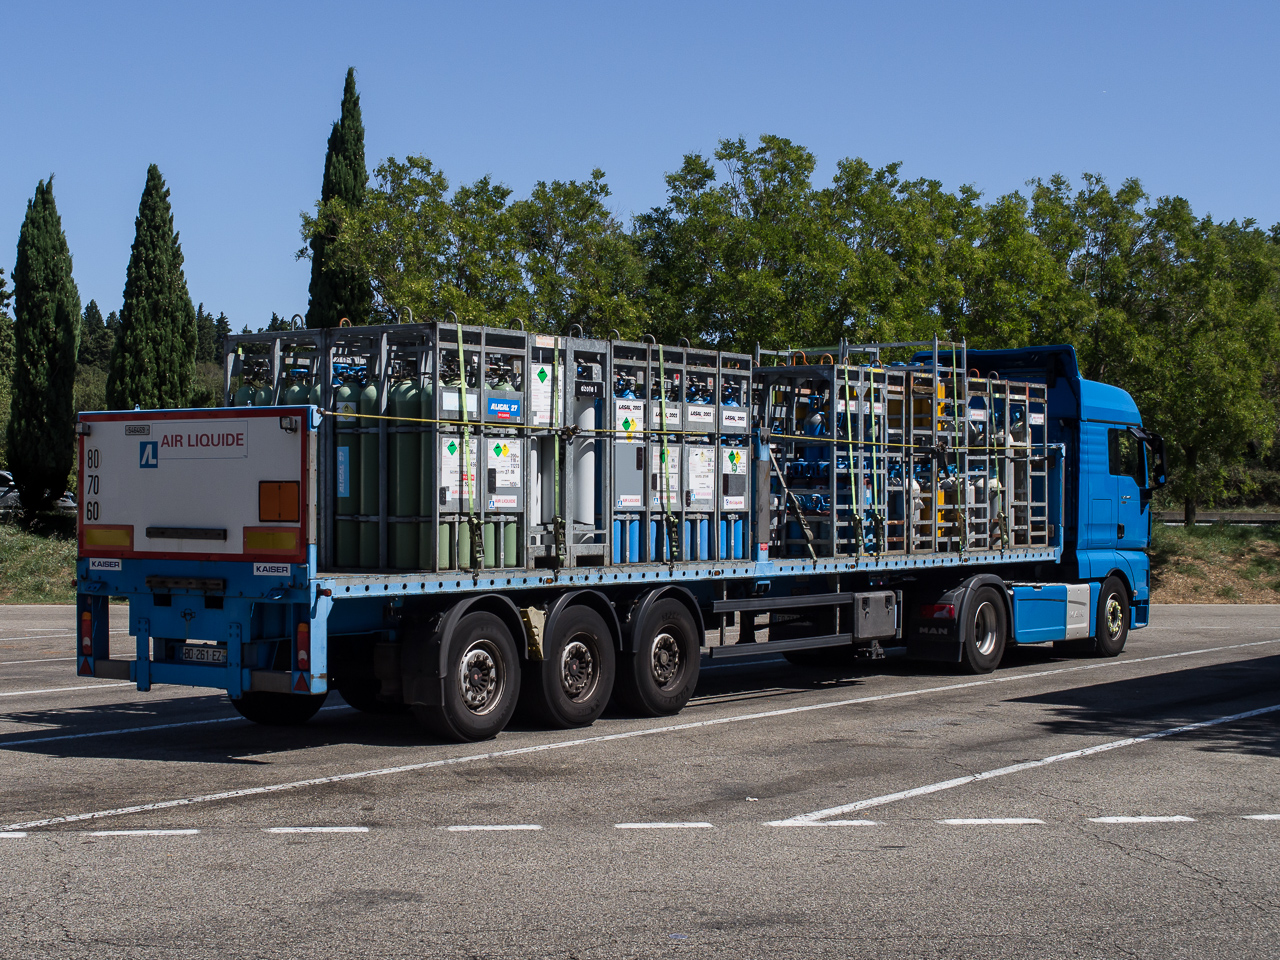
(480, 677)
(666, 658)
(1114, 612)
(984, 629)
(577, 669)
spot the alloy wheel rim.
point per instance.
(480, 677)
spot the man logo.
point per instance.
(149, 453)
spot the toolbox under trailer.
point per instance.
(584, 519)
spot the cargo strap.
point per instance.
(473, 522)
(561, 548)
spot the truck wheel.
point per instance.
(278, 709)
(362, 693)
(659, 677)
(571, 685)
(481, 683)
(986, 630)
(1112, 618)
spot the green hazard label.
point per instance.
(452, 448)
(542, 375)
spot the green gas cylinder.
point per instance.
(511, 544)
(314, 395)
(244, 396)
(262, 397)
(346, 399)
(427, 479)
(296, 394)
(404, 456)
(370, 485)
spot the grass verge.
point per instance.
(1215, 564)
(37, 561)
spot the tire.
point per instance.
(659, 676)
(986, 631)
(278, 709)
(1112, 618)
(481, 684)
(362, 693)
(571, 685)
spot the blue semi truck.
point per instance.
(458, 522)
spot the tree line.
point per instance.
(1178, 308)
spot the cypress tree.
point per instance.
(336, 291)
(153, 363)
(46, 331)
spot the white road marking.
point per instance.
(146, 729)
(988, 821)
(62, 634)
(13, 834)
(81, 688)
(1178, 819)
(144, 833)
(7, 663)
(691, 825)
(317, 830)
(825, 823)
(473, 827)
(612, 737)
(1262, 816)
(1018, 767)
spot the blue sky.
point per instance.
(234, 102)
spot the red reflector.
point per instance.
(84, 670)
(86, 633)
(303, 646)
(938, 611)
(302, 686)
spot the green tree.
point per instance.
(1206, 316)
(339, 290)
(47, 325)
(206, 337)
(6, 329)
(750, 258)
(579, 265)
(154, 358)
(96, 339)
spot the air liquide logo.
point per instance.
(148, 453)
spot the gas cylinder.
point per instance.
(346, 533)
(370, 485)
(404, 463)
(244, 396)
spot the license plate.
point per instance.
(197, 653)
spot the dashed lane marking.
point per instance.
(7, 663)
(1262, 816)
(644, 732)
(144, 833)
(989, 821)
(316, 830)
(478, 827)
(825, 823)
(1016, 768)
(13, 834)
(691, 825)
(1178, 819)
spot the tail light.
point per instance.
(938, 611)
(302, 647)
(86, 634)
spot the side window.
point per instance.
(1124, 453)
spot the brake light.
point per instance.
(86, 633)
(303, 647)
(938, 611)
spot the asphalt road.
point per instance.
(785, 813)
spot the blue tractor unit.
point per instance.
(453, 520)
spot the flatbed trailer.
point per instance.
(458, 521)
